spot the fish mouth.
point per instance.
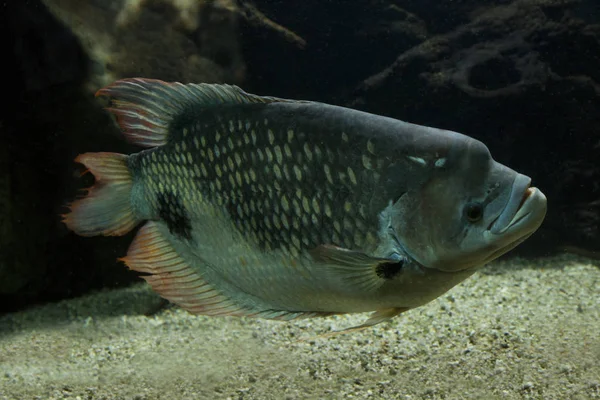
(530, 213)
(526, 218)
(519, 194)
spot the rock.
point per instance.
(173, 40)
(41, 54)
(344, 42)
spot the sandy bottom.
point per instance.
(514, 330)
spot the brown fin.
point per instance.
(172, 277)
(355, 267)
(175, 280)
(375, 318)
(106, 210)
(145, 108)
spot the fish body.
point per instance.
(275, 208)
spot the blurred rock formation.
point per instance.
(345, 41)
(183, 40)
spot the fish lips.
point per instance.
(520, 218)
(520, 194)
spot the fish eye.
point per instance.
(473, 212)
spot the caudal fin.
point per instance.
(106, 210)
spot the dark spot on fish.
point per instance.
(172, 211)
(389, 270)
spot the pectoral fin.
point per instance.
(361, 271)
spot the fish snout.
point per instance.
(523, 201)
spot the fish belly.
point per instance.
(261, 279)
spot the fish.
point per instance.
(256, 206)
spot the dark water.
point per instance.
(522, 76)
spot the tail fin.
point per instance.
(106, 210)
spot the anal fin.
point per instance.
(173, 278)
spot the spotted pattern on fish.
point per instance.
(288, 203)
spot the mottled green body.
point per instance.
(262, 185)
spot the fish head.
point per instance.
(468, 211)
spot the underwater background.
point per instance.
(522, 76)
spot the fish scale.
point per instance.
(284, 213)
(276, 208)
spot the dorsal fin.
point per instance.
(145, 108)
